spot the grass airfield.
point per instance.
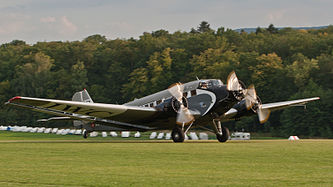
(53, 160)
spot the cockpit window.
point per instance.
(206, 84)
(217, 82)
(203, 85)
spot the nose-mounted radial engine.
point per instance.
(184, 116)
(179, 104)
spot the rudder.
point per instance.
(82, 96)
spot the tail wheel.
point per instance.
(224, 136)
(85, 134)
(178, 135)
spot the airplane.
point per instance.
(180, 107)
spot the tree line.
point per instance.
(283, 64)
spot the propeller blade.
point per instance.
(233, 83)
(176, 90)
(250, 97)
(263, 114)
(184, 116)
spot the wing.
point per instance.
(264, 110)
(285, 104)
(94, 112)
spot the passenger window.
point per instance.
(158, 102)
(151, 105)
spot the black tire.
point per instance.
(85, 134)
(224, 136)
(177, 135)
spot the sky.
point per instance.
(70, 20)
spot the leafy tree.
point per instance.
(324, 76)
(220, 31)
(17, 42)
(204, 27)
(259, 30)
(95, 38)
(301, 69)
(214, 63)
(137, 85)
(160, 33)
(32, 77)
(159, 66)
(269, 77)
(78, 77)
(271, 29)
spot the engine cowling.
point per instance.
(243, 110)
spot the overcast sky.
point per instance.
(49, 20)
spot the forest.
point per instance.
(283, 64)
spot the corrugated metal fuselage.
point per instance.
(205, 103)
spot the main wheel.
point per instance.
(224, 136)
(177, 135)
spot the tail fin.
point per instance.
(82, 96)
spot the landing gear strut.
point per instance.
(222, 133)
(177, 134)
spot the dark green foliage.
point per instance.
(271, 29)
(282, 64)
(204, 27)
(314, 121)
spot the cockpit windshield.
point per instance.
(207, 84)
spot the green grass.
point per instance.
(5, 135)
(53, 160)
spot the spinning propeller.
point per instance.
(184, 116)
(250, 96)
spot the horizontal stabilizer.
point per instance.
(54, 119)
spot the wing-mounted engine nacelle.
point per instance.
(238, 94)
(244, 110)
(242, 94)
(236, 88)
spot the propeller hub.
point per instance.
(177, 104)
